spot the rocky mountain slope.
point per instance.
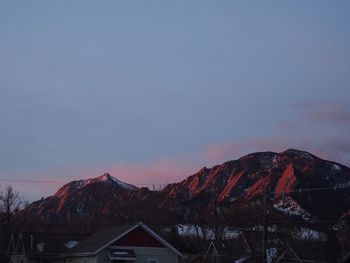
(297, 184)
(84, 199)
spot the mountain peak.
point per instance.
(299, 153)
(107, 178)
(293, 150)
(104, 177)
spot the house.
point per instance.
(135, 243)
(228, 251)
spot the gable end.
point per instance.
(138, 237)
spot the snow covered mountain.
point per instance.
(89, 199)
(297, 184)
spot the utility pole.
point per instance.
(264, 226)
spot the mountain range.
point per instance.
(291, 184)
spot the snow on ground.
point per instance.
(40, 246)
(231, 234)
(336, 227)
(271, 254)
(242, 259)
(342, 185)
(271, 228)
(194, 230)
(309, 234)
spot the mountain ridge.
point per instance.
(232, 185)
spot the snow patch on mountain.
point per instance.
(106, 178)
(301, 154)
(291, 207)
(266, 160)
(336, 168)
(122, 184)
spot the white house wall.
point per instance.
(143, 254)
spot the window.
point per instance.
(153, 260)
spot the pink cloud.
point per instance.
(156, 173)
(32, 185)
(334, 149)
(326, 111)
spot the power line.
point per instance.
(64, 182)
(163, 184)
(318, 189)
(31, 181)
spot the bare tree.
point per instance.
(11, 202)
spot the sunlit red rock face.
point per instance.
(287, 182)
(290, 179)
(283, 176)
(91, 198)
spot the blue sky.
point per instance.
(152, 91)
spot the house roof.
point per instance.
(99, 239)
(105, 237)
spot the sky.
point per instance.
(151, 91)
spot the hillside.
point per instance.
(297, 184)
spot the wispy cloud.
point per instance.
(227, 151)
(334, 149)
(328, 111)
(320, 127)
